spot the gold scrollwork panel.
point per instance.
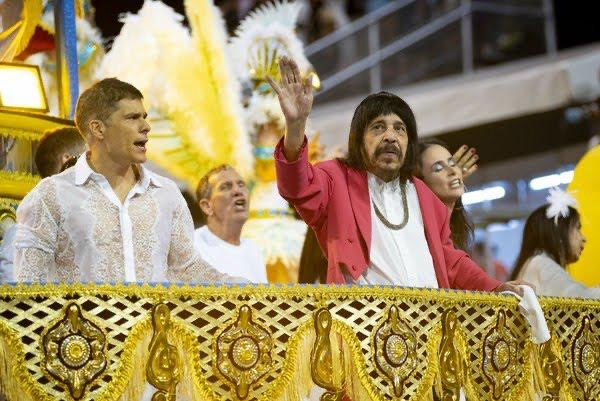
(585, 360)
(259, 343)
(395, 349)
(243, 352)
(74, 351)
(500, 363)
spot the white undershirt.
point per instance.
(244, 260)
(398, 257)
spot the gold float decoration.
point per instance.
(323, 366)
(586, 360)
(200, 315)
(395, 349)
(452, 365)
(500, 356)
(15, 185)
(74, 351)
(553, 371)
(243, 352)
(163, 370)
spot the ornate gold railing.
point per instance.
(276, 343)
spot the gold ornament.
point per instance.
(322, 367)
(500, 358)
(243, 352)
(395, 349)
(74, 351)
(452, 365)
(163, 370)
(553, 371)
(586, 360)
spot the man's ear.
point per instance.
(205, 206)
(64, 158)
(97, 128)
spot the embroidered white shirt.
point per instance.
(243, 260)
(72, 227)
(550, 279)
(398, 257)
(6, 254)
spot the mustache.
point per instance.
(388, 148)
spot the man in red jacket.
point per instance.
(376, 223)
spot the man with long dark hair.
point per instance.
(376, 223)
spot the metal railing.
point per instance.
(348, 67)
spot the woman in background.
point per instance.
(443, 173)
(552, 239)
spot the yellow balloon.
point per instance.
(586, 188)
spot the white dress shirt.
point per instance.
(550, 279)
(244, 260)
(398, 257)
(72, 227)
(6, 254)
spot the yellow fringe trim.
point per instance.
(323, 292)
(294, 381)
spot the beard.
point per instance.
(386, 172)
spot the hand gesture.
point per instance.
(294, 93)
(466, 160)
(513, 286)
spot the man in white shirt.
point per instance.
(223, 198)
(53, 150)
(108, 219)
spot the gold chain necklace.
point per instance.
(385, 221)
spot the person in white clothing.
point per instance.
(224, 200)
(109, 219)
(552, 239)
(54, 149)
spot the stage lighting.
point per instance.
(552, 180)
(483, 195)
(21, 88)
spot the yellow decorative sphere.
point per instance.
(586, 189)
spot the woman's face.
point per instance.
(576, 243)
(441, 174)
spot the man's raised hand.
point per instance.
(295, 98)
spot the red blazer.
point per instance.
(334, 200)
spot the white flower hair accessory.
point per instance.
(558, 203)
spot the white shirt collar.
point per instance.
(213, 239)
(83, 172)
(380, 185)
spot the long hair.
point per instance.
(461, 225)
(382, 103)
(541, 234)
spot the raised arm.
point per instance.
(295, 98)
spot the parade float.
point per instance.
(115, 342)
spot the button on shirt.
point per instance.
(72, 227)
(398, 257)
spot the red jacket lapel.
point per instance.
(358, 190)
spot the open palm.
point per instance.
(294, 93)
